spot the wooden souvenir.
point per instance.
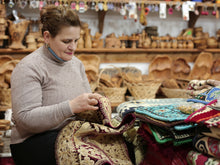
(17, 32)
(202, 67)
(161, 68)
(180, 68)
(112, 42)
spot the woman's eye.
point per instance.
(66, 41)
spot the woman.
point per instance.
(48, 87)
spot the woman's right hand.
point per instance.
(86, 101)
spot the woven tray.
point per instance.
(146, 90)
(174, 93)
(116, 95)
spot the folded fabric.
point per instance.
(131, 106)
(162, 154)
(162, 135)
(160, 123)
(190, 107)
(97, 141)
(205, 115)
(207, 145)
(209, 131)
(163, 112)
(206, 96)
(197, 158)
(176, 125)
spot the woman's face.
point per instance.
(65, 42)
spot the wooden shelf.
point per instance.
(105, 50)
(130, 50)
(127, 55)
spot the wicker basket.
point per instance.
(5, 96)
(174, 93)
(116, 95)
(146, 90)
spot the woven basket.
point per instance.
(116, 95)
(146, 90)
(5, 96)
(174, 93)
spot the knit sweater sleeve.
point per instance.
(28, 112)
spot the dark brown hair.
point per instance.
(54, 18)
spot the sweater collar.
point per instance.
(52, 56)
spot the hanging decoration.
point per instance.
(143, 14)
(162, 12)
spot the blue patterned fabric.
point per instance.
(131, 106)
(206, 96)
(163, 112)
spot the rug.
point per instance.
(98, 141)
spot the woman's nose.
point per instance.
(72, 46)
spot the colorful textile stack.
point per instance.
(207, 139)
(162, 126)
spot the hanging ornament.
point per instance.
(22, 4)
(73, 5)
(204, 11)
(146, 11)
(122, 10)
(96, 6)
(81, 7)
(34, 4)
(162, 11)
(11, 4)
(77, 6)
(170, 10)
(156, 8)
(152, 8)
(139, 7)
(178, 6)
(56, 3)
(196, 12)
(92, 6)
(214, 11)
(110, 6)
(105, 6)
(142, 18)
(100, 5)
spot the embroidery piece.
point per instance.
(131, 106)
(207, 96)
(164, 112)
(197, 158)
(207, 145)
(96, 139)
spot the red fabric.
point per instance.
(163, 154)
(6, 161)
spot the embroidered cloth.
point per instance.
(207, 145)
(131, 106)
(207, 95)
(96, 140)
(197, 158)
(205, 116)
(162, 154)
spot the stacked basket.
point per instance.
(110, 83)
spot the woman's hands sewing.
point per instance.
(86, 101)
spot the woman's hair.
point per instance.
(54, 18)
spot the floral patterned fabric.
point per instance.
(197, 158)
(97, 141)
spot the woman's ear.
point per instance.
(46, 36)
